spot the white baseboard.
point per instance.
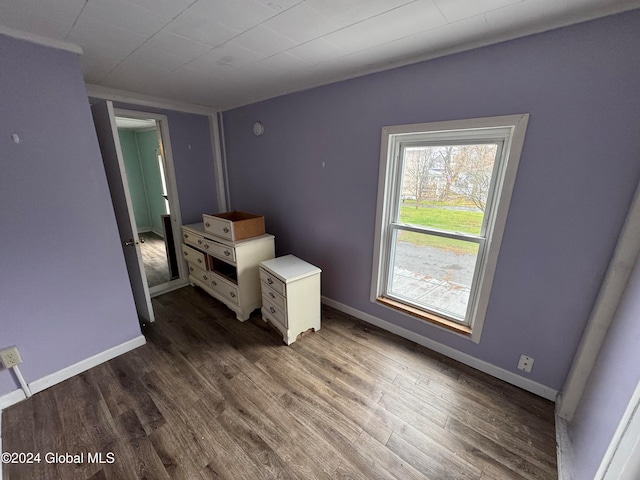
(84, 365)
(11, 398)
(493, 370)
(564, 449)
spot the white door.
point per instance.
(104, 120)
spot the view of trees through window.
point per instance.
(444, 189)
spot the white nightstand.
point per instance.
(290, 295)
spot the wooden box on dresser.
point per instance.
(290, 295)
(226, 270)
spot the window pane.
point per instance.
(446, 187)
(433, 272)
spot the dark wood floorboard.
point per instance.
(209, 397)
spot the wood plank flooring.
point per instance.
(209, 397)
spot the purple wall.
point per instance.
(64, 290)
(611, 384)
(577, 176)
(192, 159)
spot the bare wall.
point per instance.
(64, 290)
(576, 179)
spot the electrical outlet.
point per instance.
(10, 357)
(526, 363)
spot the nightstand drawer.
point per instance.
(274, 297)
(273, 282)
(193, 256)
(274, 312)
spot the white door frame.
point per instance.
(613, 288)
(172, 193)
(622, 460)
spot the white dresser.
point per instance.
(227, 270)
(290, 295)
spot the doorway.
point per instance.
(151, 185)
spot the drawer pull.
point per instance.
(199, 260)
(225, 230)
(191, 269)
(269, 281)
(207, 224)
(185, 235)
(214, 283)
(199, 242)
(272, 310)
(206, 246)
(204, 277)
(233, 295)
(272, 295)
(186, 254)
(227, 253)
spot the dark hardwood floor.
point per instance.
(209, 397)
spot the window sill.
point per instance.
(427, 317)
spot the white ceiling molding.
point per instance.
(34, 38)
(123, 96)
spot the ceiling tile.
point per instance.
(124, 15)
(95, 67)
(285, 62)
(422, 45)
(264, 41)
(166, 9)
(51, 19)
(201, 29)
(279, 5)
(421, 15)
(235, 14)
(172, 44)
(455, 10)
(228, 54)
(155, 59)
(345, 13)
(301, 23)
(108, 40)
(316, 51)
(532, 15)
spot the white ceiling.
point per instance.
(226, 53)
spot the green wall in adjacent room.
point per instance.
(135, 178)
(148, 150)
(140, 152)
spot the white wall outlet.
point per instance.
(526, 363)
(10, 357)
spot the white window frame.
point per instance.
(508, 132)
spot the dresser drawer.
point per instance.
(273, 282)
(218, 226)
(274, 312)
(274, 297)
(234, 226)
(224, 287)
(201, 275)
(219, 250)
(192, 238)
(193, 256)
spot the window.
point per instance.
(443, 198)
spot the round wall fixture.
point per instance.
(258, 129)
